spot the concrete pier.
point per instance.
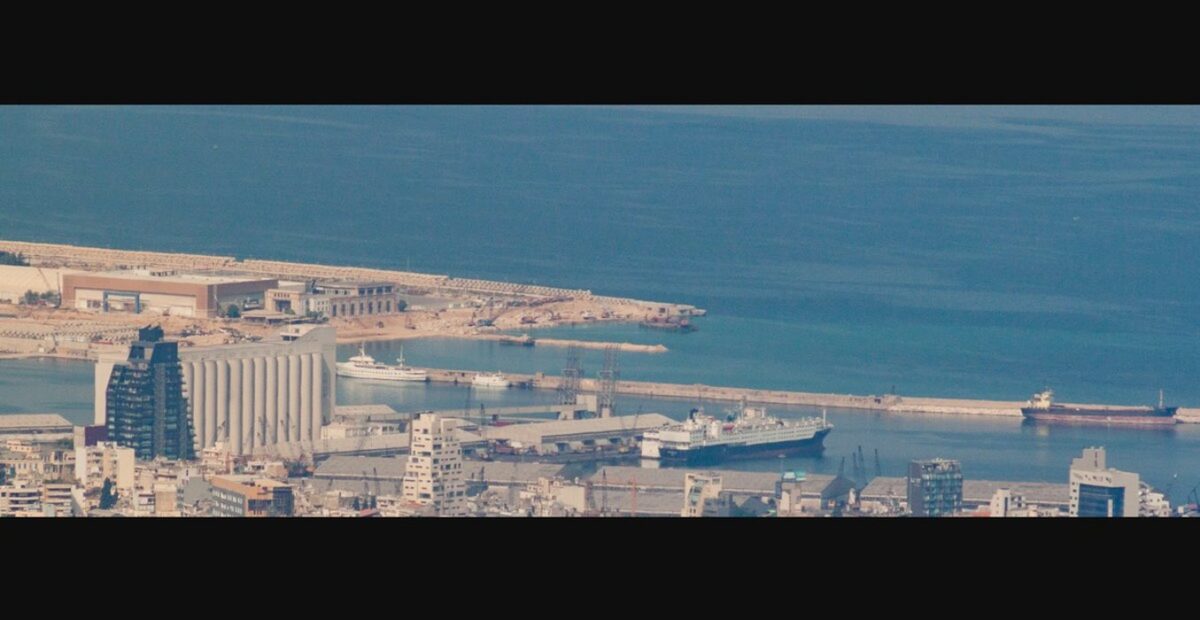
(628, 347)
(889, 403)
(698, 392)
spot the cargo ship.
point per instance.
(1043, 409)
(747, 433)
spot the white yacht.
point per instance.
(491, 380)
(363, 366)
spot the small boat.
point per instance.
(491, 380)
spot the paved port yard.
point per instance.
(392, 443)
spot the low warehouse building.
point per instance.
(166, 292)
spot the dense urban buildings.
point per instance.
(298, 298)
(434, 474)
(935, 488)
(247, 496)
(145, 407)
(1098, 491)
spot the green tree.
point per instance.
(401, 305)
(13, 259)
(108, 499)
(31, 298)
(232, 311)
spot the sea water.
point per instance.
(966, 252)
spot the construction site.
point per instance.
(204, 299)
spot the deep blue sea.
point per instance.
(944, 251)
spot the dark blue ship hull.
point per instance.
(1160, 416)
(713, 455)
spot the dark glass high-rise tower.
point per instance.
(147, 410)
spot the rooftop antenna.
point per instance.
(604, 491)
(862, 463)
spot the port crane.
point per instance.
(491, 311)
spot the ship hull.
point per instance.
(352, 374)
(711, 455)
(1105, 417)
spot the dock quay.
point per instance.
(699, 393)
(586, 439)
(889, 403)
(582, 344)
(73, 339)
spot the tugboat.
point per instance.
(491, 380)
(1041, 408)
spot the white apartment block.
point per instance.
(434, 475)
(105, 460)
(1100, 491)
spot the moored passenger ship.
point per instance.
(363, 366)
(747, 433)
(1042, 408)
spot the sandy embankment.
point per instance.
(456, 323)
